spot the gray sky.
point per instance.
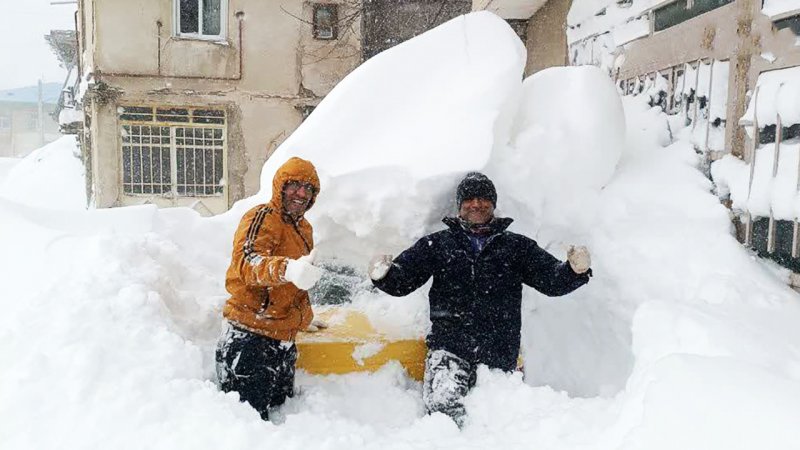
(24, 55)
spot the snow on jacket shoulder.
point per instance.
(475, 297)
(261, 300)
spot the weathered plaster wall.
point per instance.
(547, 39)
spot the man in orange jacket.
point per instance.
(269, 276)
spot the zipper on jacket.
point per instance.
(264, 301)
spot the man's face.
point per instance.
(296, 197)
(476, 210)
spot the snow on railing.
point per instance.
(771, 188)
(696, 92)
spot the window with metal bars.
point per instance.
(172, 151)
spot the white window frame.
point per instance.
(223, 25)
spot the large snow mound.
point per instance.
(396, 134)
(49, 177)
(110, 317)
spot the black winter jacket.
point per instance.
(475, 299)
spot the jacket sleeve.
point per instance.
(543, 272)
(253, 251)
(409, 271)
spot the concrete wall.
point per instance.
(262, 84)
(546, 37)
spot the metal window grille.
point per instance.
(146, 158)
(173, 151)
(199, 154)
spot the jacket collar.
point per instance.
(498, 224)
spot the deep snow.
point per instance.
(681, 340)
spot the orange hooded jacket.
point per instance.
(261, 300)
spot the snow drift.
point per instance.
(681, 340)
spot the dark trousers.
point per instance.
(448, 379)
(259, 368)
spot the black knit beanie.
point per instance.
(476, 185)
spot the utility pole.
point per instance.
(40, 115)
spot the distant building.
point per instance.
(26, 121)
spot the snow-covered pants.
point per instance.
(447, 381)
(259, 368)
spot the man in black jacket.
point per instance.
(478, 270)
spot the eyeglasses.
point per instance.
(294, 186)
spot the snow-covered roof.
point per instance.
(30, 94)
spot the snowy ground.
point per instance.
(681, 340)
(6, 164)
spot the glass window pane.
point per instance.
(146, 165)
(325, 18)
(792, 23)
(166, 175)
(211, 17)
(189, 14)
(670, 15)
(704, 6)
(172, 115)
(126, 166)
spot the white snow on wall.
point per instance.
(584, 19)
(631, 30)
(774, 8)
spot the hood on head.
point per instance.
(295, 169)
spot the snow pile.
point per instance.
(50, 177)
(110, 317)
(6, 164)
(398, 132)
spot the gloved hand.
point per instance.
(379, 265)
(316, 325)
(302, 271)
(579, 258)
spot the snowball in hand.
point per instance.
(302, 272)
(379, 266)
